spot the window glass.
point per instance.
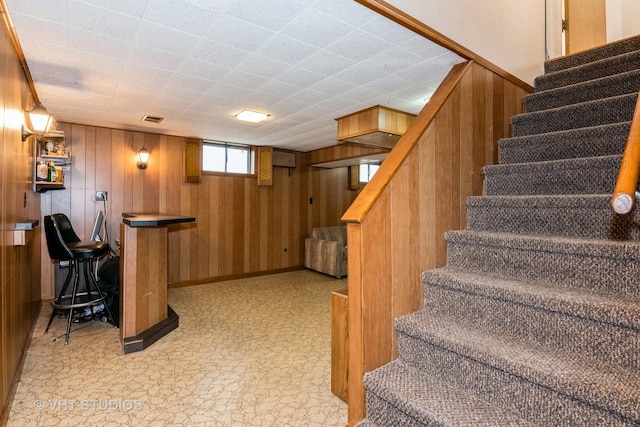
(213, 158)
(367, 171)
(237, 160)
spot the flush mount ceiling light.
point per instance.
(251, 116)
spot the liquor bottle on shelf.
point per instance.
(42, 172)
(53, 173)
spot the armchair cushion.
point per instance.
(326, 250)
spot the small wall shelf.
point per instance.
(50, 150)
(57, 160)
(43, 186)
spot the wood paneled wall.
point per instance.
(240, 229)
(19, 272)
(396, 225)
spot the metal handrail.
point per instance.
(624, 194)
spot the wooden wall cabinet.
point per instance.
(377, 126)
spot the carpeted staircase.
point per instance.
(535, 320)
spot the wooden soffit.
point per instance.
(343, 155)
(376, 126)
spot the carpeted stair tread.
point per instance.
(593, 70)
(604, 87)
(615, 48)
(580, 215)
(591, 175)
(605, 111)
(573, 143)
(587, 304)
(610, 388)
(586, 247)
(602, 327)
(366, 423)
(605, 266)
(420, 399)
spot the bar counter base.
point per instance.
(151, 335)
(145, 315)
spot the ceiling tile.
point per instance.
(167, 39)
(155, 58)
(332, 87)
(140, 72)
(102, 21)
(359, 75)
(82, 41)
(238, 33)
(324, 62)
(285, 49)
(180, 15)
(189, 82)
(264, 14)
(300, 77)
(316, 28)
(50, 10)
(128, 7)
(202, 70)
(392, 60)
(41, 29)
(243, 80)
(350, 12)
(278, 88)
(213, 5)
(217, 53)
(261, 66)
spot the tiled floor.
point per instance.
(252, 352)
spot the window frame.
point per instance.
(229, 146)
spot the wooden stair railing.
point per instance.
(624, 193)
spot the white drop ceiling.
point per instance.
(198, 63)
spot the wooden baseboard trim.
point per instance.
(233, 277)
(151, 335)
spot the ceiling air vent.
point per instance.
(152, 119)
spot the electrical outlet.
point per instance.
(101, 196)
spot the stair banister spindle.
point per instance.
(625, 190)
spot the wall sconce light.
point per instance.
(143, 158)
(26, 132)
(40, 120)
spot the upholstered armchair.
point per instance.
(326, 250)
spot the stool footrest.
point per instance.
(83, 299)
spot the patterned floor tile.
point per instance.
(250, 352)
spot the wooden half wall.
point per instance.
(396, 225)
(240, 230)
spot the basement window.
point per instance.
(227, 158)
(367, 171)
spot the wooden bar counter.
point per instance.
(145, 315)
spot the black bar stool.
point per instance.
(65, 245)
